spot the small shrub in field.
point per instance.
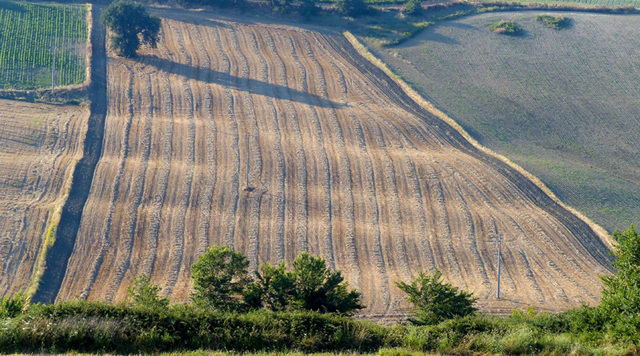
(506, 28)
(11, 307)
(555, 22)
(413, 8)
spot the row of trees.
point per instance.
(222, 282)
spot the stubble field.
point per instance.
(39, 146)
(275, 140)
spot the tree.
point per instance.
(413, 8)
(131, 25)
(146, 294)
(352, 7)
(621, 292)
(435, 301)
(220, 279)
(318, 288)
(273, 288)
(309, 286)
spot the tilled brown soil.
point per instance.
(39, 148)
(276, 140)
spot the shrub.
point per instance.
(10, 307)
(435, 301)
(506, 28)
(621, 292)
(145, 294)
(220, 278)
(413, 8)
(352, 8)
(310, 286)
(557, 22)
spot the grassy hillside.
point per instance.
(563, 104)
(33, 36)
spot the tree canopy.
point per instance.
(621, 292)
(220, 279)
(131, 25)
(435, 301)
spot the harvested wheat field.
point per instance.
(276, 140)
(39, 147)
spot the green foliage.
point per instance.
(146, 294)
(318, 288)
(506, 28)
(556, 22)
(131, 25)
(10, 307)
(621, 293)
(435, 301)
(353, 8)
(99, 327)
(310, 286)
(413, 8)
(220, 278)
(29, 32)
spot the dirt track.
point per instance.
(277, 140)
(39, 147)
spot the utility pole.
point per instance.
(499, 241)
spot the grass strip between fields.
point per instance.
(364, 51)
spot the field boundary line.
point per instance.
(415, 96)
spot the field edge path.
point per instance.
(59, 254)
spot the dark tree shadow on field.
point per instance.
(250, 85)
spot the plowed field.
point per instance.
(278, 139)
(39, 147)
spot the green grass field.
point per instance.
(561, 103)
(35, 36)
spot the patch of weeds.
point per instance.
(557, 22)
(506, 28)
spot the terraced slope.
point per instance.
(276, 140)
(562, 104)
(39, 147)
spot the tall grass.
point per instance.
(99, 327)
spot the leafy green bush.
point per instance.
(557, 22)
(506, 28)
(10, 307)
(435, 301)
(220, 278)
(413, 8)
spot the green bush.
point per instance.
(435, 301)
(557, 22)
(506, 28)
(10, 307)
(413, 8)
